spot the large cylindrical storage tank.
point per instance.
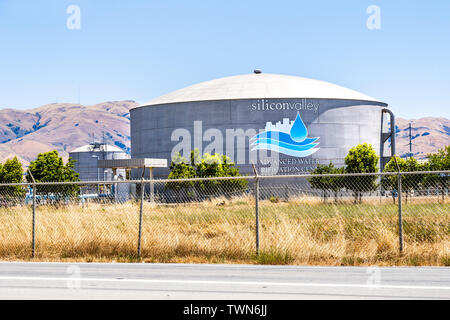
(283, 124)
(87, 157)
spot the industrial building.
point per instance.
(282, 124)
(102, 162)
(87, 161)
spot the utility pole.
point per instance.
(410, 141)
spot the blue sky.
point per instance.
(139, 50)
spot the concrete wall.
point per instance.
(340, 124)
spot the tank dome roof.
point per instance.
(259, 86)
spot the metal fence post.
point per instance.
(399, 191)
(400, 222)
(140, 217)
(33, 227)
(257, 215)
(33, 215)
(256, 209)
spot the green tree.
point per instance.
(439, 161)
(391, 182)
(11, 172)
(217, 165)
(230, 170)
(180, 168)
(325, 184)
(49, 167)
(410, 182)
(208, 166)
(361, 159)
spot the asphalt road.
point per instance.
(27, 280)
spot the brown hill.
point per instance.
(427, 136)
(63, 126)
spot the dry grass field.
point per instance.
(298, 231)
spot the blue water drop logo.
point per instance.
(291, 140)
(298, 131)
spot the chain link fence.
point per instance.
(350, 219)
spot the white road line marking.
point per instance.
(286, 284)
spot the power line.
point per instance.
(410, 143)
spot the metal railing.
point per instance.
(304, 218)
